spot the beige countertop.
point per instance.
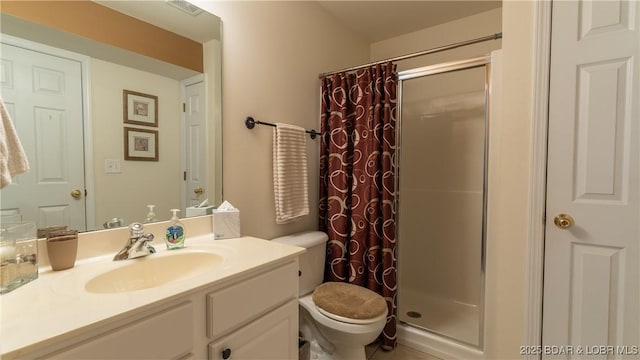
(57, 305)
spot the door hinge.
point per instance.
(184, 107)
(184, 176)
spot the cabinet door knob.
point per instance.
(226, 353)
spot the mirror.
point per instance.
(116, 62)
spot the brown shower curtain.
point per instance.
(357, 183)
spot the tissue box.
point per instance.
(226, 224)
(199, 211)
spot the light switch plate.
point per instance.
(112, 166)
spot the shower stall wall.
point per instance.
(442, 181)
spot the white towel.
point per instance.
(290, 183)
(13, 160)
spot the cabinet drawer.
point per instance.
(165, 335)
(240, 303)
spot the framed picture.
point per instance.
(139, 108)
(140, 144)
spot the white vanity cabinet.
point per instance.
(248, 316)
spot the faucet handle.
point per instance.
(151, 249)
(136, 229)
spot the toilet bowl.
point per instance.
(341, 336)
(339, 329)
(343, 339)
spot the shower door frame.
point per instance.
(467, 64)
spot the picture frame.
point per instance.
(139, 108)
(140, 144)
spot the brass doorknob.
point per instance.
(76, 194)
(198, 191)
(563, 221)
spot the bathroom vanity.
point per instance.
(234, 298)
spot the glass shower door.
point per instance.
(442, 202)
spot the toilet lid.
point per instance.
(349, 303)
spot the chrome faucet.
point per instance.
(112, 223)
(138, 244)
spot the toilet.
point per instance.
(338, 319)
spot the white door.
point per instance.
(195, 141)
(592, 268)
(43, 94)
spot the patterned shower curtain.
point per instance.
(357, 183)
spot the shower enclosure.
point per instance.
(442, 181)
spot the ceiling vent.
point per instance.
(185, 6)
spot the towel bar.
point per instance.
(250, 123)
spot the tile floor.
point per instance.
(400, 353)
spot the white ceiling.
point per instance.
(200, 28)
(373, 20)
(380, 20)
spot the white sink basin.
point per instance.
(152, 271)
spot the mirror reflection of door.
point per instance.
(195, 141)
(43, 94)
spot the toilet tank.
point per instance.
(312, 261)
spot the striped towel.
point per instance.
(290, 183)
(13, 160)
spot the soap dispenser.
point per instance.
(151, 215)
(174, 236)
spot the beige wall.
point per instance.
(508, 216)
(272, 55)
(510, 160)
(506, 247)
(479, 25)
(141, 182)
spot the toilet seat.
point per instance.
(310, 307)
(350, 320)
(349, 303)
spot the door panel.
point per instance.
(195, 144)
(43, 94)
(592, 269)
(602, 117)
